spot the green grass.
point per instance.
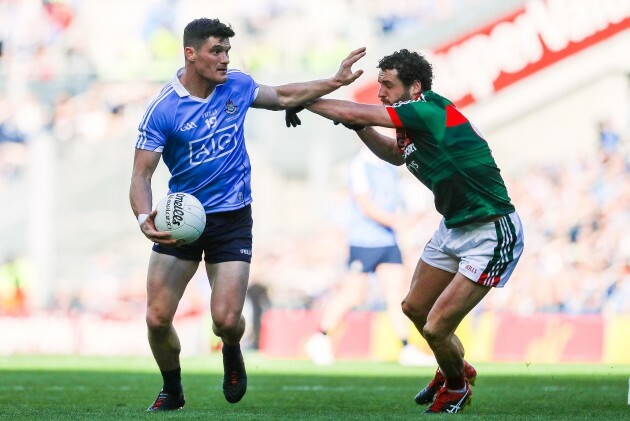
(92, 388)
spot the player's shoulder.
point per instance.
(409, 103)
(428, 101)
(435, 98)
(238, 76)
(164, 99)
(160, 107)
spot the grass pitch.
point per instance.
(92, 388)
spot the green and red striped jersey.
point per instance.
(447, 154)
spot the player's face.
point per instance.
(212, 59)
(392, 89)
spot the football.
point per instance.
(182, 215)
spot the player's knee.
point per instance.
(417, 315)
(432, 334)
(429, 333)
(227, 322)
(158, 324)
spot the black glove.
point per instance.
(291, 116)
(355, 127)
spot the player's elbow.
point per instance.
(397, 160)
(285, 102)
(141, 179)
(277, 107)
(392, 157)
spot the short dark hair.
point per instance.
(411, 67)
(199, 30)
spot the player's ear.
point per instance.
(416, 89)
(190, 54)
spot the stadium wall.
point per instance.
(536, 338)
(539, 338)
(533, 80)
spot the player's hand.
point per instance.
(355, 127)
(345, 75)
(151, 232)
(291, 116)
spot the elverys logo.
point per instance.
(176, 216)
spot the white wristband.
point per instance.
(142, 217)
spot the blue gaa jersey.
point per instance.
(378, 179)
(202, 140)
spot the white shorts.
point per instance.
(485, 252)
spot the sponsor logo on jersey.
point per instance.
(188, 126)
(411, 148)
(213, 146)
(230, 108)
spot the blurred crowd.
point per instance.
(577, 257)
(55, 81)
(576, 261)
(64, 60)
(70, 42)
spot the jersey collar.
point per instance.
(177, 85)
(183, 92)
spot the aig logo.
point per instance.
(188, 126)
(214, 146)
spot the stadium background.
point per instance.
(547, 81)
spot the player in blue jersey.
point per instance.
(195, 125)
(375, 201)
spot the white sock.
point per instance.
(463, 390)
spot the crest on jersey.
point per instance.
(230, 108)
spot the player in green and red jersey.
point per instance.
(479, 240)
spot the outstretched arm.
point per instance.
(294, 94)
(351, 113)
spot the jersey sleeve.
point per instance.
(153, 129)
(246, 85)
